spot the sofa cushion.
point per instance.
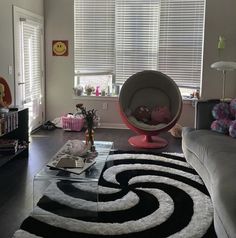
(205, 142)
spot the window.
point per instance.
(137, 27)
(94, 32)
(31, 55)
(120, 38)
(181, 41)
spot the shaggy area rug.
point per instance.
(138, 195)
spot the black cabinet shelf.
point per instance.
(5, 158)
(21, 134)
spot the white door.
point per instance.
(29, 65)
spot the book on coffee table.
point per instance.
(67, 162)
(73, 164)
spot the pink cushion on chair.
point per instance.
(160, 115)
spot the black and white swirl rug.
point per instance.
(139, 195)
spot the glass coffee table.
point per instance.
(64, 187)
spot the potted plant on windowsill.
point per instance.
(89, 89)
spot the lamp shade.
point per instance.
(224, 65)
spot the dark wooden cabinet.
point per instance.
(18, 132)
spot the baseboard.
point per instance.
(113, 126)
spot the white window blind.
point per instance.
(94, 32)
(31, 52)
(137, 28)
(127, 36)
(181, 40)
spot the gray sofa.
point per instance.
(213, 156)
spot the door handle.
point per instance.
(20, 83)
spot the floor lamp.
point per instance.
(224, 66)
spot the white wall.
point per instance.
(6, 33)
(220, 20)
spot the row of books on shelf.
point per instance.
(8, 122)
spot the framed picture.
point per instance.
(60, 48)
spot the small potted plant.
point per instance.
(89, 89)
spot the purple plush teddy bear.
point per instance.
(224, 113)
(232, 127)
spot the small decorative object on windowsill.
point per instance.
(103, 92)
(89, 89)
(78, 90)
(196, 94)
(97, 91)
(90, 116)
(108, 91)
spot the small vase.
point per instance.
(78, 91)
(89, 137)
(88, 93)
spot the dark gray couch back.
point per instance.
(203, 113)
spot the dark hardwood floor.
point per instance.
(16, 177)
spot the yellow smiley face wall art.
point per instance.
(60, 48)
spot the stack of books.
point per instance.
(8, 146)
(8, 122)
(70, 162)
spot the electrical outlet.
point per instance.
(105, 106)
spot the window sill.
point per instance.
(186, 100)
(97, 98)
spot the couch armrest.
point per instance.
(203, 114)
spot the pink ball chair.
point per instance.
(149, 88)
